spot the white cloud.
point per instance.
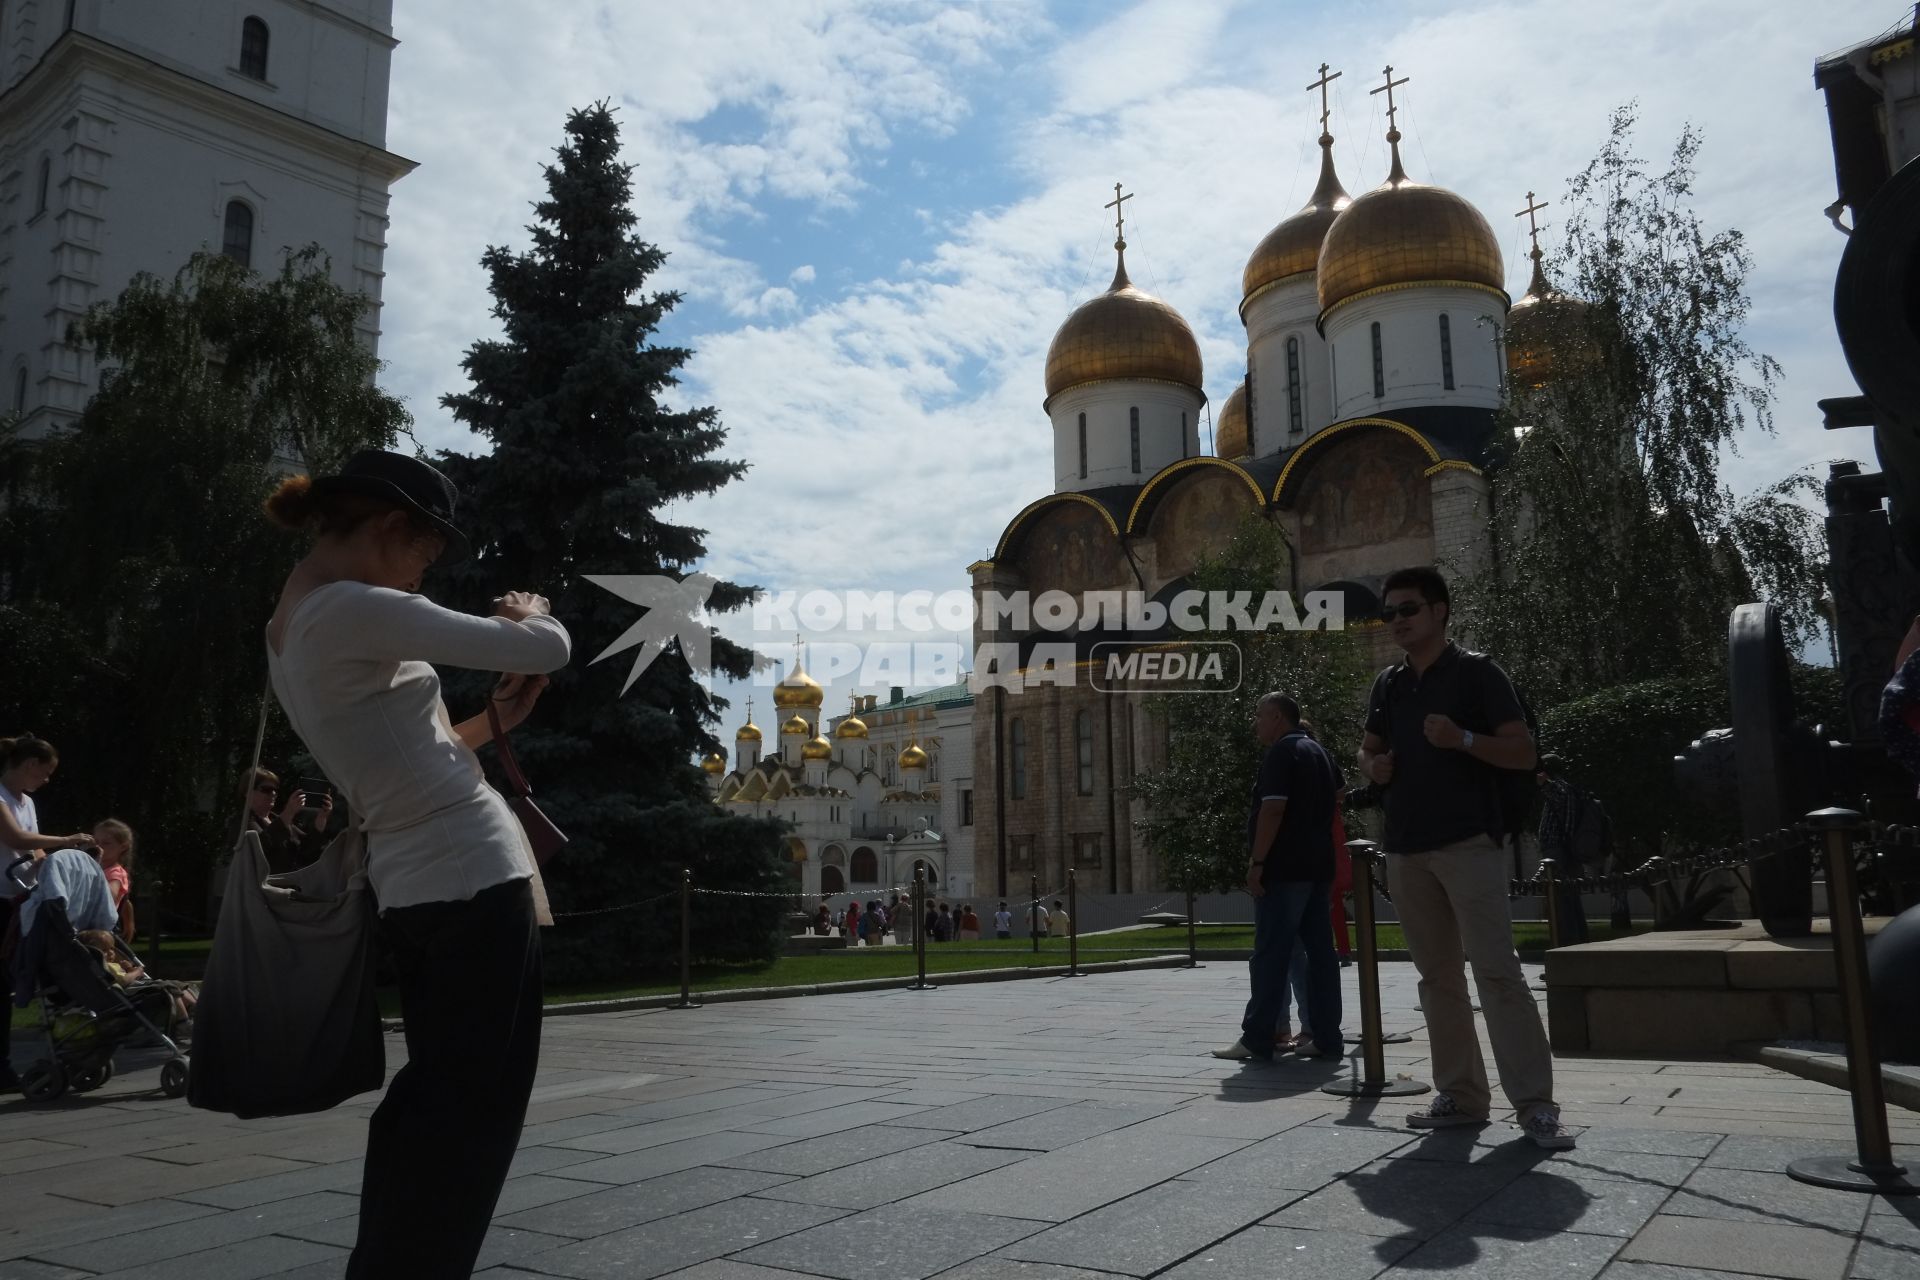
(895, 425)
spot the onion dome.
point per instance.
(715, 763)
(817, 749)
(1230, 436)
(796, 725)
(851, 727)
(749, 732)
(1293, 247)
(913, 757)
(1407, 233)
(1547, 331)
(798, 689)
(1123, 333)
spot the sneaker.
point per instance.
(1544, 1127)
(1442, 1113)
(1303, 1044)
(1238, 1052)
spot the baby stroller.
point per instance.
(86, 1015)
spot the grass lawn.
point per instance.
(897, 962)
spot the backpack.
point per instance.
(1592, 830)
(1515, 790)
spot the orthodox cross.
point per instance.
(1117, 204)
(1388, 89)
(1321, 84)
(1533, 225)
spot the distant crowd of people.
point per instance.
(873, 923)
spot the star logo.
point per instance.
(676, 610)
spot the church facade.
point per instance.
(1378, 329)
(134, 135)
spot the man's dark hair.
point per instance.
(1423, 578)
(1288, 707)
(1552, 766)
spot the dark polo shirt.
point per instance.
(1298, 770)
(1440, 796)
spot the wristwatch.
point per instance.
(1466, 740)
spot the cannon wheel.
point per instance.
(1762, 715)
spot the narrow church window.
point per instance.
(1017, 765)
(1379, 365)
(1446, 353)
(45, 182)
(237, 240)
(1133, 426)
(253, 49)
(1183, 433)
(1083, 743)
(1083, 446)
(1296, 420)
(20, 390)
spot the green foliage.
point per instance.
(141, 571)
(587, 451)
(1619, 551)
(1197, 803)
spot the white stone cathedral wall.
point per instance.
(1169, 431)
(1409, 322)
(1288, 310)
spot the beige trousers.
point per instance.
(1452, 904)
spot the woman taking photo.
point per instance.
(349, 653)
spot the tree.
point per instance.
(1196, 805)
(586, 454)
(143, 571)
(1618, 549)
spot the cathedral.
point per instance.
(1380, 342)
(866, 799)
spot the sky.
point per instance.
(879, 212)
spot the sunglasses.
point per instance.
(1405, 609)
(266, 790)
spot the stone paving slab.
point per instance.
(1044, 1130)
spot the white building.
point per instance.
(867, 798)
(134, 133)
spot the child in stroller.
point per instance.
(86, 1014)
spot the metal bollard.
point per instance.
(1073, 926)
(920, 929)
(1033, 912)
(686, 1000)
(1553, 903)
(1193, 945)
(1874, 1170)
(1374, 1084)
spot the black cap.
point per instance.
(413, 484)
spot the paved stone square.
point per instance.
(1053, 1129)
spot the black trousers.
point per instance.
(440, 1142)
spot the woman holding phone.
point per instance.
(350, 653)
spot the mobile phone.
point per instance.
(310, 789)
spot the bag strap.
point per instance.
(259, 742)
(516, 780)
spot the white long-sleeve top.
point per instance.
(353, 676)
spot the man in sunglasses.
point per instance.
(1440, 727)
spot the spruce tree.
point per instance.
(588, 450)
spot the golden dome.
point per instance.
(1405, 232)
(913, 757)
(851, 727)
(714, 763)
(1123, 333)
(1230, 439)
(749, 732)
(798, 724)
(798, 689)
(1547, 332)
(817, 749)
(1293, 247)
